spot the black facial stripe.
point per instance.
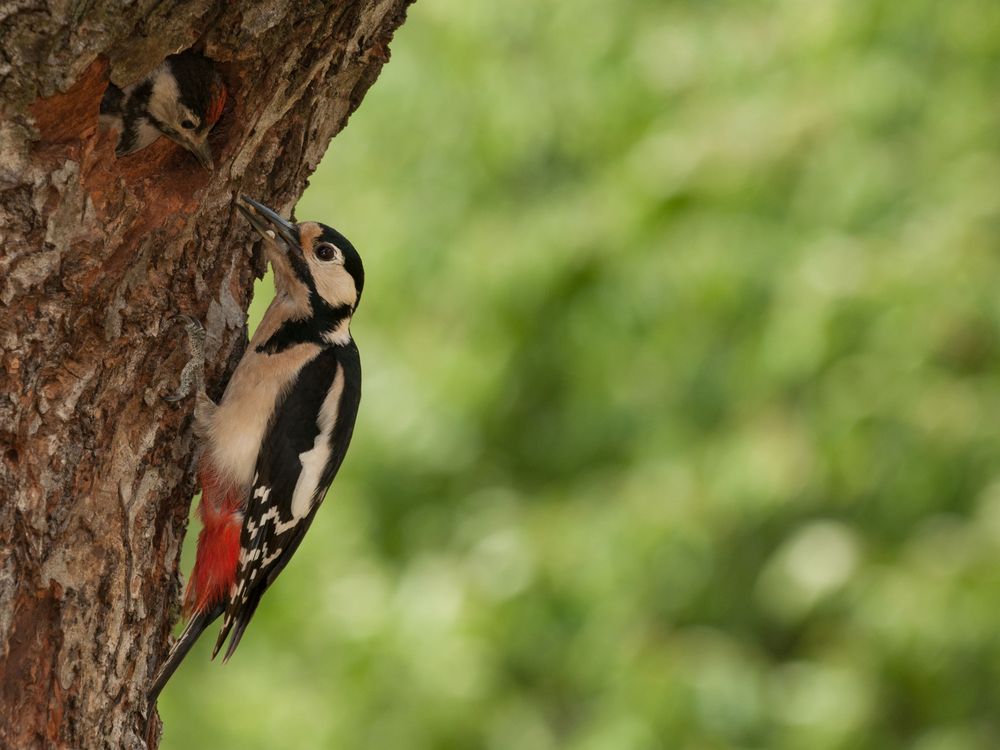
(137, 106)
(128, 137)
(298, 263)
(301, 269)
(139, 99)
(113, 100)
(306, 330)
(134, 113)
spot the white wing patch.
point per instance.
(315, 459)
(267, 528)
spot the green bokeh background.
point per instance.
(681, 341)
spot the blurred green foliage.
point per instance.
(681, 338)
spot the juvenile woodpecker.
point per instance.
(271, 447)
(182, 99)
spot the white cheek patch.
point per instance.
(333, 282)
(315, 459)
(163, 100)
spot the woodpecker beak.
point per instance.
(201, 150)
(270, 225)
(203, 153)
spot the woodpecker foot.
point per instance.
(193, 374)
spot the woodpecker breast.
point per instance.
(238, 426)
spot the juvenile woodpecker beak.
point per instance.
(203, 153)
(201, 150)
(268, 223)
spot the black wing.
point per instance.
(274, 525)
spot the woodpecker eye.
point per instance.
(326, 251)
(187, 124)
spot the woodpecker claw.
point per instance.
(193, 374)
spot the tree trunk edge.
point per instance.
(97, 256)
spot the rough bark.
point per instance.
(97, 255)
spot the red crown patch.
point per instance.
(218, 103)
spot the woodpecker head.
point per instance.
(182, 99)
(186, 98)
(313, 263)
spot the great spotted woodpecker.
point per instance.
(272, 446)
(182, 99)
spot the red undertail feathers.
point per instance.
(214, 571)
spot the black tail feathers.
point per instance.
(195, 627)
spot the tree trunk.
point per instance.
(98, 256)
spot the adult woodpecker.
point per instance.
(272, 446)
(182, 99)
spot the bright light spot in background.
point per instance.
(815, 562)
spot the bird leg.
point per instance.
(193, 374)
(193, 377)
